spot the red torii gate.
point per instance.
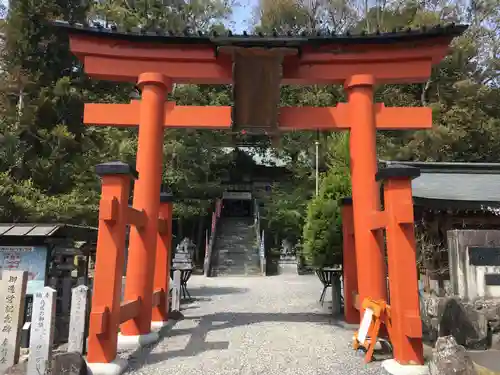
(256, 66)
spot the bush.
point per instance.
(323, 226)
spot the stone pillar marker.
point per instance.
(79, 302)
(42, 332)
(12, 295)
(176, 291)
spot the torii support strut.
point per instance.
(162, 261)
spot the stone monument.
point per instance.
(12, 295)
(79, 301)
(42, 332)
(474, 257)
(183, 257)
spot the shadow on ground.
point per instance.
(205, 291)
(197, 335)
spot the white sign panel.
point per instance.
(365, 325)
(32, 259)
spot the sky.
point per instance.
(4, 3)
(242, 15)
(240, 20)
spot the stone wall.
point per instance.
(475, 325)
(470, 309)
(474, 258)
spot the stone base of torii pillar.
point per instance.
(136, 341)
(117, 367)
(391, 366)
(158, 326)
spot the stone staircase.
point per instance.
(235, 252)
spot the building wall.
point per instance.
(469, 271)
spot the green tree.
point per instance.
(284, 211)
(322, 230)
(44, 141)
(48, 156)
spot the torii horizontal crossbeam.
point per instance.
(175, 116)
(290, 118)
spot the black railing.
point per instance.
(207, 264)
(260, 235)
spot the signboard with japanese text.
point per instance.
(32, 259)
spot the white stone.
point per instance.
(116, 367)
(176, 291)
(394, 368)
(133, 342)
(42, 331)
(12, 296)
(79, 300)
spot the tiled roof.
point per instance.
(274, 39)
(44, 230)
(473, 185)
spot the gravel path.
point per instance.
(250, 326)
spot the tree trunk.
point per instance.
(180, 229)
(193, 230)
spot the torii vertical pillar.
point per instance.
(162, 262)
(365, 189)
(141, 259)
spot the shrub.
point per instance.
(323, 227)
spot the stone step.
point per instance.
(237, 262)
(235, 252)
(226, 252)
(241, 258)
(238, 272)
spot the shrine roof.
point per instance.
(10, 230)
(470, 186)
(274, 39)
